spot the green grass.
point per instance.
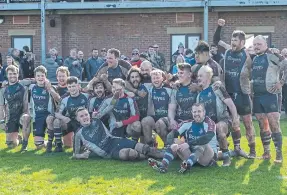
(35, 172)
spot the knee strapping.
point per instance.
(142, 148)
(128, 154)
(10, 144)
(39, 143)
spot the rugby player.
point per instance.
(65, 123)
(182, 99)
(42, 96)
(97, 138)
(267, 84)
(14, 109)
(216, 101)
(124, 114)
(198, 145)
(237, 73)
(158, 103)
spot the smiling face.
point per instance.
(62, 78)
(157, 79)
(12, 76)
(198, 113)
(135, 79)
(40, 78)
(99, 90)
(73, 89)
(83, 117)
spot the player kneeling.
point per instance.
(199, 146)
(97, 139)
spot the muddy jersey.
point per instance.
(120, 71)
(41, 102)
(213, 102)
(62, 91)
(142, 102)
(233, 64)
(95, 103)
(13, 97)
(71, 104)
(193, 130)
(259, 70)
(95, 137)
(267, 69)
(184, 99)
(160, 99)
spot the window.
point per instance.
(250, 37)
(189, 41)
(19, 42)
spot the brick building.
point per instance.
(86, 30)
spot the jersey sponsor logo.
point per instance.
(121, 111)
(38, 97)
(158, 98)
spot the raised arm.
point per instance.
(216, 37)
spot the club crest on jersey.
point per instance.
(125, 106)
(209, 94)
(44, 92)
(82, 101)
(162, 93)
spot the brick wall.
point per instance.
(128, 31)
(124, 32)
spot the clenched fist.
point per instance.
(221, 22)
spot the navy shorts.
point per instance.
(120, 132)
(13, 126)
(242, 103)
(118, 144)
(265, 103)
(39, 127)
(72, 126)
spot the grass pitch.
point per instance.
(35, 172)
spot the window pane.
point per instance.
(192, 42)
(175, 40)
(20, 42)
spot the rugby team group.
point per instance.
(122, 108)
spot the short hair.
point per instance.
(12, 68)
(98, 82)
(133, 69)
(53, 50)
(260, 37)
(213, 45)
(74, 49)
(198, 105)
(202, 47)
(120, 82)
(80, 109)
(114, 51)
(64, 70)
(240, 34)
(26, 48)
(41, 69)
(184, 66)
(95, 49)
(188, 51)
(156, 72)
(208, 70)
(72, 79)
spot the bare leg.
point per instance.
(264, 134)
(148, 124)
(250, 134)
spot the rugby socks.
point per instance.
(168, 157)
(50, 135)
(266, 138)
(277, 139)
(193, 158)
(58, 136)
(236, 136)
